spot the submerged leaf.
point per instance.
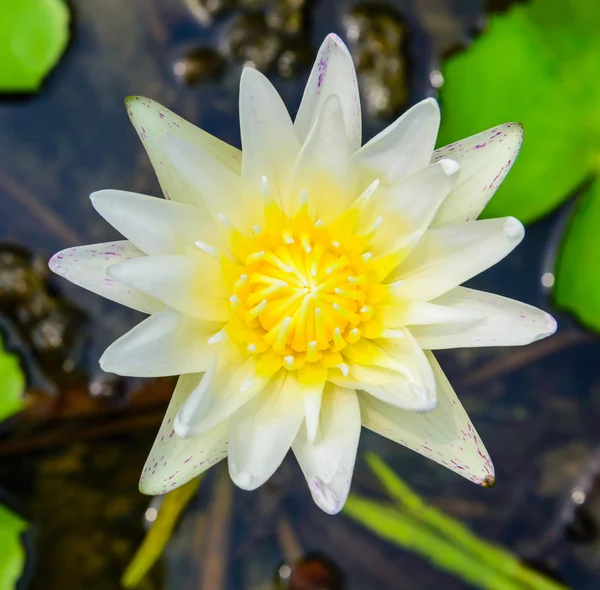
(33, 36)
(12, 553)
(12, 385)
(420, 528)
(578, 267)
(538, 64)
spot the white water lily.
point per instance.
(299, 286)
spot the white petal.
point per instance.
(86, 267)
(402, 148)
(155, 226)
(444, 435)
(270, 145)
(166, 343)
(222, 190)
(174, 461)
(407, 208)
(234, 381)
(262, 430)
(503, 322)
(395, 370)
(332, 73)
(485, 160)
(328, 461)
(450, 255)
(152, 122)
(192, 286)
(322, 166)
(401, 313)
(312, 378)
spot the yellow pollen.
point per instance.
(303, 290)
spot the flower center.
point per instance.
(306, 291)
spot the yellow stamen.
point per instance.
(306, 289)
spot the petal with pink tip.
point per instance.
(485, 160)
(332, 74)
(87, 266)
(328, 461)
(445, 435)
(174, 461)
(153, 122)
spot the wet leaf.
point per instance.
(33, 36)
(12, 553)
(12, 385)
(538, 64)
(577, 287)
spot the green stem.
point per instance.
(159, 534)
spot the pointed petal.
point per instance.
(448, 256)
(174, 461)
(166, 343)
(270, 145)
(261, 432)
(155, 226)
(395, 370)
(322, 166)
(152, 122)
(485, 160)
(86, 266)
(328, 461)
(233, 382)
(502, 322)
(403, 148)
(221, 189)
(192, 286)
(332, 73)
(444, 435)
(407, 208)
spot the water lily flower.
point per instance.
(299, 286)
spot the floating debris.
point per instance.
(49, 326)
(199, 65)
(204, 11)
(108, 388)
(295, 58)
(377, 40)
(287, 17)
(249, 40)
(314, 571)
(270, 35)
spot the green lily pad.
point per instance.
(12, 553)
(12, 385)
(33, 36)
(577, 287)
(538, 64)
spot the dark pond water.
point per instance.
(71, 465)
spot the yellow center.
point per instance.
(305, 291)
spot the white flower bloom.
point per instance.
(299, 286)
